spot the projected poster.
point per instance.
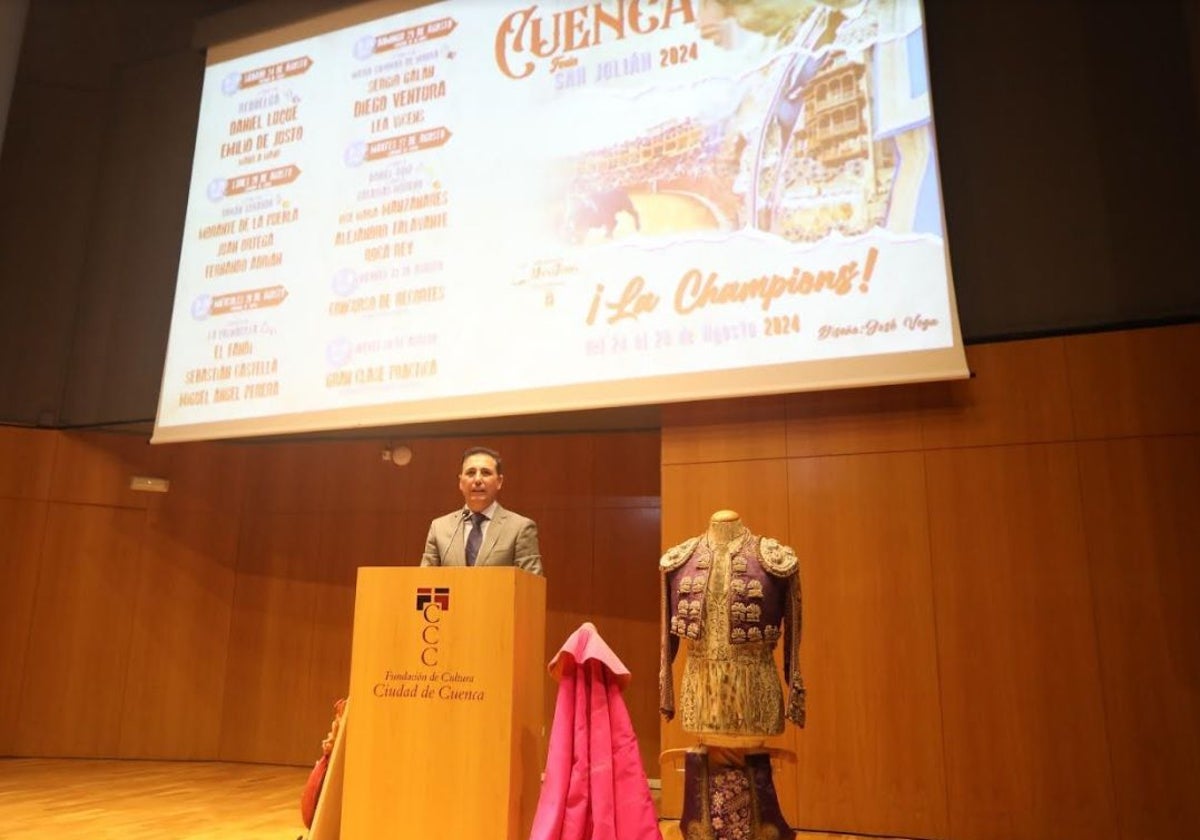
(486, 208)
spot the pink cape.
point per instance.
(594, 787)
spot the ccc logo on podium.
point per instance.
(433, 595)
(432, 601)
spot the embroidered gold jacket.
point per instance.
(764, 604)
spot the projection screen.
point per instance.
(483, 209)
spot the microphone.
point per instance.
(462, 520)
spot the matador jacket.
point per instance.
(764, 605)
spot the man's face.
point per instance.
(479, 481)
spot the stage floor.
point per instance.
(82, 799)
(74, 799)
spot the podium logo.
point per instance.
(438, 596)
(432, 601)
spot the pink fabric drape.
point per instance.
(595, 787)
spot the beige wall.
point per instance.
(1000, 635)
(999, 581)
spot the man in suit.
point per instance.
(482, 533)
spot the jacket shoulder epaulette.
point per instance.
(779, 560)
(677, 556)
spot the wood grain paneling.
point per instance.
(1139, 504)
(624, 582)
(1018, 394)
(1136, 382)
(851, 421)
(271, 632)
(412, 527)
(79, 638)
(548, 472)
(785, 768)
(348, 540)
(566, 540)
(1046, 665)
(626, 469)
(693, 492)
(727, 430)
(434, 474)
(26, 461)
(625, 610)
(568, 559)
(872, 754)
(1026, 753)
(672, 739)
(175, 681)
(635, 642)
(23, 526)
(208, 477)
(286, 477)
(359, 480)
(94, 468)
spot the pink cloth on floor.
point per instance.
(595, 787)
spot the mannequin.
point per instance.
(732, 596)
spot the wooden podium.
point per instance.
(445, 734)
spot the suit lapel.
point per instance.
(491, 537)
(456, 549)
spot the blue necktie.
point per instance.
(475, 537)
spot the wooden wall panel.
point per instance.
(287, 477)
(724, 430)
(433, 476)
(624, 581)
(175, 680)
(626, 469)
(1140, 503)
(79, 638)
(872, 757)
(693, 492)
(26, 461)
(208, 477)
(625, 610)
(358, 479)
(1018, 394)
(94, 468)
(1026, 754)
(347, 540)
(547, 472)
(1076, 689)
(22, 531)
(1136, 382)
(856, 420)
(566, 538)
(271, 634)
(411, 529)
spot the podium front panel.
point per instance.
(445, 736)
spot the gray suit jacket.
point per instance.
(510, 540)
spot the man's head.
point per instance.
(480, 477)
